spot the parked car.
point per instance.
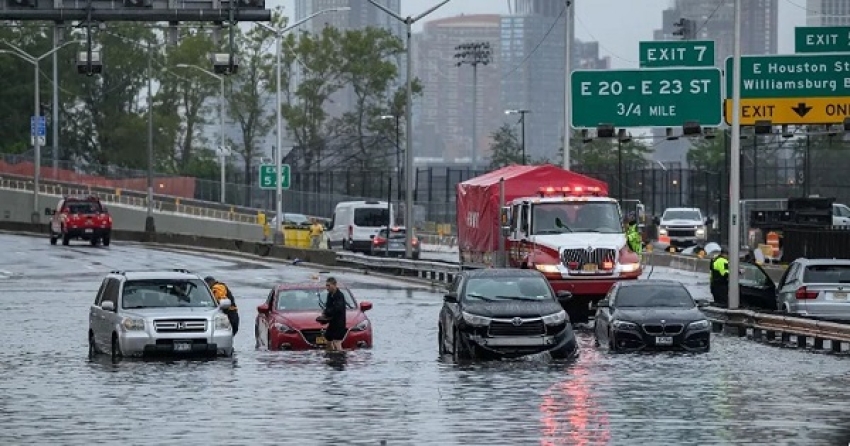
(287, 320)
(504, 313)
(80, 217)
(396, 238)
(139, 313)
(818, 288)
(646, 314)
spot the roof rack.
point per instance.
(182, 270)
(118, 272)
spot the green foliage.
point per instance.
(605, 154)
(506, 148)
(708, 154)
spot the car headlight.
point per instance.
(547, 268)
(555, 319)
(222, 322)
(133, 324)
(624, 325)
(283, 328)
(701, 231)
(662, 231)
(361, 326)
(699, 325)
(473, 319)
(629, 267)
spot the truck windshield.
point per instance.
(587, 216)
(682, 215)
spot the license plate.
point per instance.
(89, 231)
(396, 246)
(839, 296)
(664, 340)
(321, 341)
(590, 268)
(182, 346)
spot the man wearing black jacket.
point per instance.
(334, 313)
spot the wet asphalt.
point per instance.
(399, 393)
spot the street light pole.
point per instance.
(735, 167)
(16, 51)
(57, 37)
(397, 119)
(408, 115)
(568, 70)
(521, 113)
(278, 155)
(474, 54)
(150, 226)
(221, 150)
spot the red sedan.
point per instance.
(287, 320)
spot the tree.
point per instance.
(606, 154)
(505, 148)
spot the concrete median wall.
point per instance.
(16, 206)
(699, 265)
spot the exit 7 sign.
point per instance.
(671, 53)
(268, 179)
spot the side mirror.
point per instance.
(450, 298)
(372, 236)
(709, 221)
(702, 303)
(365, 306)
(603, 303)
(564, 295)
(107, 305)
(263, 309)
(224, 304)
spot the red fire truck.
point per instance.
(559, 222)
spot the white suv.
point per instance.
(172, 311)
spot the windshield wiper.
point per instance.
(550, 231)
(518, 298)
(478, 296)
(135, 307)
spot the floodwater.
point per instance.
(399, 393)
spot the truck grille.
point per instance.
(658, 329)
(681, 232)
(532, 327)
(581, 257)
(180, 326)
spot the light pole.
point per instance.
(278, 155)
(521, 113)
(474, 54)
(221, 150)
(36, 215)
(569, 37)
(408, 122)
(397, 119)
(735, 166)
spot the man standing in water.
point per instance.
(334, 313)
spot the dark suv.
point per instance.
(504, 313)
(80, 218)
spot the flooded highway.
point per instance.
(399, 393)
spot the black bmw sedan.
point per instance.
(504, 313)
(652, 314)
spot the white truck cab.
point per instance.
(684, 227)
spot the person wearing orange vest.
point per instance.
(221, 291)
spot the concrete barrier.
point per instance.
(696, 264)
(16, 206)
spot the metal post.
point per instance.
(503, 257)
(474, 115)
(408, 157)
(522, 119)
(398, 154)
(150, 226)
(735, 167)
(568, 64)
(389, 212)
(619, 169)
(278, 157)
(221, 139)
(57, 37)
(806, 167)
(36, 215)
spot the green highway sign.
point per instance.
(792, 76)
(822, 39)
(646, 97)
(268, 179)
(672, 53)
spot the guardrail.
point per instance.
(423, 269)
(772, 328)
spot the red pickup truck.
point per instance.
(81, 218)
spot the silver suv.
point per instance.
(818, 288)
(171, 311)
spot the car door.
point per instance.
(111, 318)
(96, 315)
(757, 289)
(56, 218)
(262, 329)
(788, 290)
(450, 312)
(840, 215)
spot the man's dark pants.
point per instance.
(233, 316)
(720, 292)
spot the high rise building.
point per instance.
(828, 13)
(443, 115)
(532, 64)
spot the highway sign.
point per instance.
(646, 97)
(38, 126)
(42, 141)
(675, 53)
(268, 179)
(791, 111)
(822, 39)
(791, 89)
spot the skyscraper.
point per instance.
(828, 13)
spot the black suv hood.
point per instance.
(656, 314)
(513, 308)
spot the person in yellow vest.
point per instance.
(633, 237)
(720, 279)
(316, 232)
(221, 291)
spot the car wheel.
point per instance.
(415, 256)
(458, 350)
(344, 245)
(106, 240)
(93, 241)
(66, 239)
(92, 345)
(116, 347)
(561, 353)
(441, 341)
(611, 344)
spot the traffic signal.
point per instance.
(252, 4)
(22, 3)
(686, 29)
(222, 63)
(138, 3)
(89, 68)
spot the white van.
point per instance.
(355, 223)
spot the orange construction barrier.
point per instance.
(773, 242)
(664, 239)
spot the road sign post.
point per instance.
(646, 97)
(38, 129)
(822, 39)
(268, 179)
(792, 89)
(673, 53)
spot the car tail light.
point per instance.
(804, 293)
(378, 240)
(415, 241)
(350, 231)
